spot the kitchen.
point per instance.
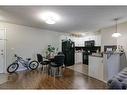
(94, 61)
(85, 45)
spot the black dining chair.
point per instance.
(60, 53)
(56, 66)
(41, 61)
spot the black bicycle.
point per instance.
(30, 65)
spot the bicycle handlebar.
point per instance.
(15, 55)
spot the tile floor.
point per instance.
(79, 67)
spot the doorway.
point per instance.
(2, 50)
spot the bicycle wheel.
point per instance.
(12, 68)
(33, 65)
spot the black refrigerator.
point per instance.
(68, 48)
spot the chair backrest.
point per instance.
(60, 53)
(39, 58)
(59, 59)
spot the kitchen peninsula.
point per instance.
(106, 66)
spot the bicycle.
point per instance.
(30, 65)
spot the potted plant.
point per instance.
(50, 51)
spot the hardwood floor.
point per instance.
(41, 80)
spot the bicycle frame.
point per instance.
(22, 61)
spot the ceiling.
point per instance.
(73, 18)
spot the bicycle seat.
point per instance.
(28, 59)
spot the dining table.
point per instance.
(49, 60)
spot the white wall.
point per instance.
(122, 28)
(27, 41)
(107, 38)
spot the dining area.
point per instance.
(52, 65)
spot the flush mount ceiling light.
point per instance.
(49, 17)
(116, 34)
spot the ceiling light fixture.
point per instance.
(49, 17)
(116, 34)
(77, 34)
